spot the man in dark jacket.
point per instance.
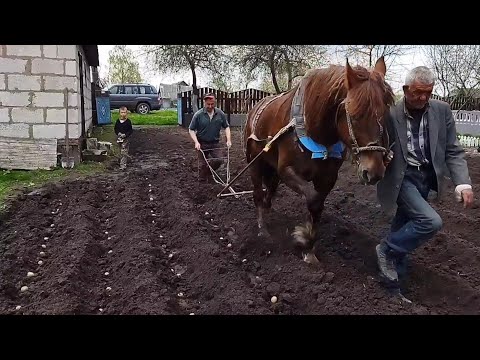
(123, 130)
(426, 150)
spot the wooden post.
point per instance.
(227, 106)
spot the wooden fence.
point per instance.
(236, 103)
(460, 102)
(241, 102)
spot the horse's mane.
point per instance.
(326, 88)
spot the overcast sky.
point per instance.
(415, 58)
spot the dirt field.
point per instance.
(113, 250)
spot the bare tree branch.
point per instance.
(175, 58)
(367, 55)
(457, 68)
(281, 63)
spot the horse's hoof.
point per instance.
(303, 236)
(264, 234)
(310, 258)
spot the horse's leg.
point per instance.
(304, 236)
(258, 196)
(271, 181)
(323, 183)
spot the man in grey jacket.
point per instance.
(426, 150)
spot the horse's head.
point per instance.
(362, 129)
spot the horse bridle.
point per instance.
(356, 149)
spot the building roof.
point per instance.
(181, 83)
(91, 52)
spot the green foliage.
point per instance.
(123, 68)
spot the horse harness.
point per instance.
(318, 150)
(356, 149)
(257, 114)
(335, 150)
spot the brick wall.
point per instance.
(32, 81)
(32, 101)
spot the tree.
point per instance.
(123, 68)
(437, 58)
(229, 75)
(267, 85)
(174, 58)
(367, 55)
(298, 59)
(278, 61)
(457, 69)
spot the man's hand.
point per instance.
(197, 145)
(467, 197)
(229, 143)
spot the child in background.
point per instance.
(123, 130)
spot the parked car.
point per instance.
(141, 98)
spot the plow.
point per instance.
(226, 181)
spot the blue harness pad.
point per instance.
(320, 151)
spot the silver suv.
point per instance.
(140, 98)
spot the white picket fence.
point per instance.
(468, 127)
(469, 141)
(469, 117)
(467, 122)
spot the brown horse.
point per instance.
(341, 106)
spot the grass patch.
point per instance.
(13, 180)
(160, 117)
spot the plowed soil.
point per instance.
(152, 240)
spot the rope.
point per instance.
(266, 148)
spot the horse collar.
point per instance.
(318, 151)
